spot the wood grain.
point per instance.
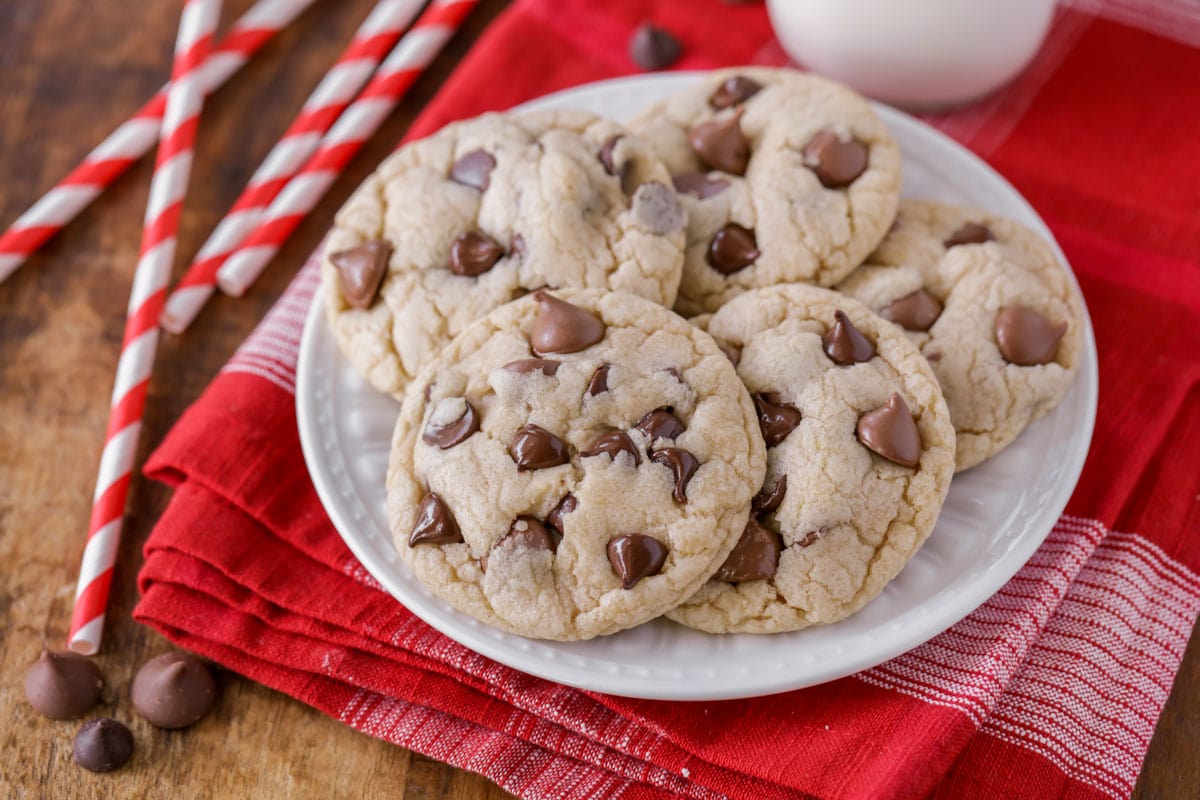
(70, 71)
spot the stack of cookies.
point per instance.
(708, 366)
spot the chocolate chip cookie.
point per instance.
(785, 177)
(575, 463)
(486, 210)
(989, 305)
(860, 452)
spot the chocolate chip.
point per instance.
(621, 172)
(767, 500)
(599, 382)
(969, 233)
(811, 537)
(776, 418)
(660, 424)
(534, 447)
(683, 466)
(524, 366)
(720, 144)
(103, 745)
(63, 685)
(656, 206)
(913, 312)
(1026, 338)
(473, 254)
(517, 246)
(361, 270)
(836, 161)
(891, 432)
(474, 169)
(755, 557)
(454, 431)
(734, 354)
(613, 444)
(653, 48)
(565, 506)
(844, 343)
(524, 532)
(561, 327)
(434, 523)
(732, 248)
(174, 690)
(734, 90)
(699, 184)
(635, 556)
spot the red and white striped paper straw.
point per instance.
(371, 42)
(167, 188)
(134, 137)
(359, 122)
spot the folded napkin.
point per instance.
(1051, 689)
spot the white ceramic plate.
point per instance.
(994, 519)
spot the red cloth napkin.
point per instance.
(1051, 689)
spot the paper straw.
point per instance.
(134, 137)
(354, 67)
(356, 125)
(160, 226)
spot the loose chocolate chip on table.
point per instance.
(174, 690)
(561, 327)
(473, 254)
(733, 353)
(970, 233)
(63, 685)
(599, 382)
(524, 366)
(720, 144)
(565, 506)
(699, 184)
(537, 448)
(734, 90)
(768, 499)
(660, 424)
(103, 745)
(434, 524)
(733, 248)
(455, 431)
(656, 206)
(836, 161)
(1026, 338)
(683, 466)
(635, 556)
(844, 343)
(653, 48)
(361, 270)
(755, 556)
(913, 312)
(891, 432)
(612, 444)
(776, 418)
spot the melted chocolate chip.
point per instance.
(561, 327)
(524, 532)
(434, 523)
(635, 556)
(454, 432)
(565, 506)
(776, 418)
(837, 162)
(913, 312)
(845, 344)
(63, 685)
(599, 382)
(720, 144)
(768, 499)
(473, 254)
(969, 233)
(103, 745)
(699, 185)
(361, 270)
(537, 448)
(732, 248)
(524, 366)
(613, 444)
(660, 424)
(734, 90)
(1026, 338)
(811, 537)
(734, 354)
(683, 466)
(474, 169)
(755, 556)
(656, 206)
(621, 171)
(174, 690)
(653, 48)
(891, 432)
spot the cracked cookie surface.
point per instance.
(801, 165)
(484, 211)
(843, 400)
(947, 274)
(590, 472)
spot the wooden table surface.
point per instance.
(70, 71)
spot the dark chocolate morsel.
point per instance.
(613, 444)
(755, 556)
(525, 532)
(452, 433)
(103, 745)
(561, 327)
(537, 448)
(656, 206)
(434, 523)
(474, 169)
(473, 254)
(599, 382)
(174, 690)
(768, 499)
(776, 418)
(683, 466)
(699, 184)
(844, 343)
(635, 556)
(720, 144)
(1026, 338)
(361, 270)
(524, 366)
(733, 248)
(659, 424)
(913, 312)
(734, 90)
(891, 432)
(969, 233)
(565, 506)
(653, 48)
(835, 160)
(63, 685)
(621, 171)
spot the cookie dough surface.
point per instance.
(569, 199)
(803, 230)
(849, 519)
(655, 361)
(991, 399)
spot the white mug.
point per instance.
(915, 53)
